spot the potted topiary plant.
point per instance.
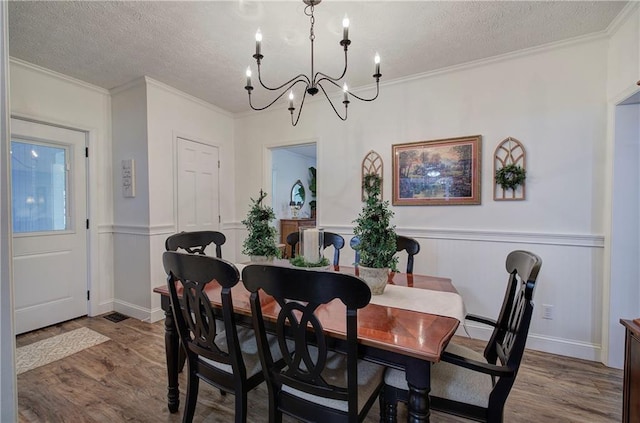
(260, 244)
(377, 246)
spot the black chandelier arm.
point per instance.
(298, 78)
(277, 98)
(299, 109)
(368, 99)
(329, 78)
(331, 102)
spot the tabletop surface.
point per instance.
(412, 333)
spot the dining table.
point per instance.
(405, 339)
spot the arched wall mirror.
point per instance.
(297, 194)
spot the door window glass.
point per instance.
(39, 187)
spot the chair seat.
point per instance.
(369, 379)
(450, 381)
(249, 349)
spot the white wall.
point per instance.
(8, 389)
(148, 117)
(53, 98)
(131, 267)
(554, 101)
(621, 295)
(173, 114)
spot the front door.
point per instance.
(49, 207)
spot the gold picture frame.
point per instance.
(437, 172)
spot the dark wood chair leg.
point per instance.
(182, 358)
(390, 409)
(172, 345)
(241, 407)
(192, 398)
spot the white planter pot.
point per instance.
(375, 278)
(261, 259)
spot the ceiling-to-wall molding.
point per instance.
(186, 96)
(494, 59)
(124, 87)
(58, 75)
(468, 65)
(622, 17)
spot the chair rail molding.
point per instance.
(143, 230)
(545, 238)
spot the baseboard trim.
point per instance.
(547, 344)
(132, 310)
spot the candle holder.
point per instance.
(295, 208)
(311, 243)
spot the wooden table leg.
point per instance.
(419, 380)
(171, 345)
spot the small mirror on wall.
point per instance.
(297, 194)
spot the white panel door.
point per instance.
(49, 207)
(198, 185)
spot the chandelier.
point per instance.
(313, 83)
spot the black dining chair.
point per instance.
(411, 246)
(223, 357)
(315, 384)
(330, 239)
(467, 383)
(402, 243)
(196, 242)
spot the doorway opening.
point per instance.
(624, 291)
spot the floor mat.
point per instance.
(60, 346)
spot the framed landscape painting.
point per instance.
(438, 172)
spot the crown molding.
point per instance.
(467, 65)
(175, 91)
(57, 75)
(128, 85)
(622, 17)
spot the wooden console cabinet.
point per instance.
(631, 396)
(292, 225)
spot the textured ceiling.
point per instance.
(203, 48)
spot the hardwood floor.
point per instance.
(124, 379)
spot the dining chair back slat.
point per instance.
(196, 242)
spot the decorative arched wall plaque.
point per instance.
(372, 163)
(509, 152)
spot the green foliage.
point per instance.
(373, 227)
(261, 240)
(312, 186)
(299, 261)
(510, 176)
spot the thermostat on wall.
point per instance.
(129, 178)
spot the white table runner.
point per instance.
(441, 303)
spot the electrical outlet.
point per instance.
(547, 311)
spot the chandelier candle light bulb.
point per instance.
(345, 91)
(291, 100)
(258, 41)
(345, 28)
(376, 60)
(248, 76)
